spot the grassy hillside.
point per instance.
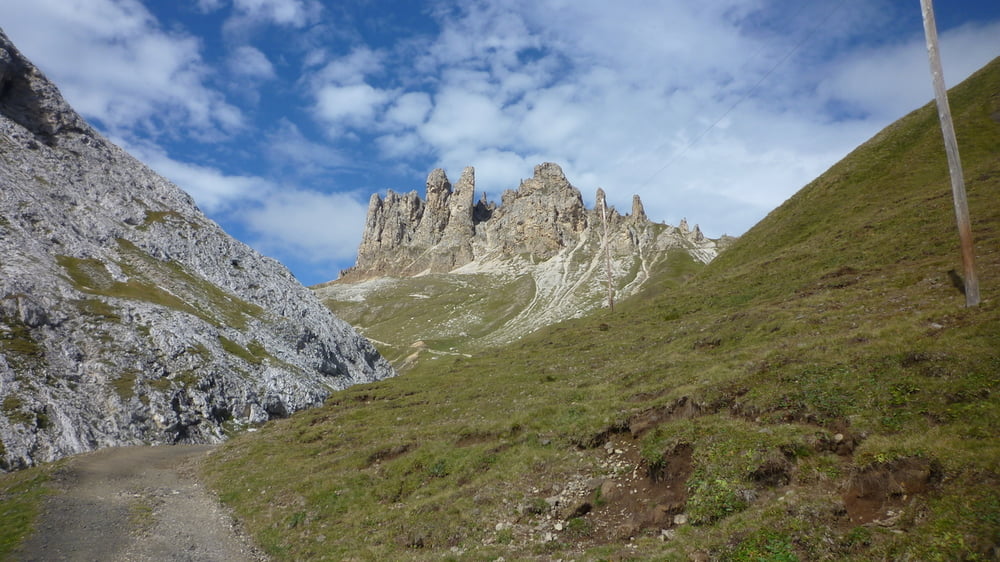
(818, 392)
(437, 313)
(454, 314)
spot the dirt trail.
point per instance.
(135, 503)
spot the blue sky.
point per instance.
(282, 117)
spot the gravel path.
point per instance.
(135, 504)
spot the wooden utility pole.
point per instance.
(607, 250)
(954, 162)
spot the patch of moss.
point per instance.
(87, 274)
(212, 303)
(22, 493)
(158, 217)
(124, 384)
(161, 384)
(233, 348)
(99, 309)
(165, 284)
(13, 408)
(141, 515)
(188, 379)
(18, 344)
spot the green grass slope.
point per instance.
(442, 314)
(420, 318)
(818, 392)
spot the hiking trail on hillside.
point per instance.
(135, 503)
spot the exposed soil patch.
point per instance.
(632, 497)
(135, 503)
(682, 409)
(878, 494)
(640, 496)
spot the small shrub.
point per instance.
(712, 499)
(764, 545)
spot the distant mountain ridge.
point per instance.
(406, 235)
(126, 315)
(447, 271)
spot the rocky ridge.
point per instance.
(126, 315)
(452, 269)
(406, 235)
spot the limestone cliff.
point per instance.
(445, 275)
(126, 315)
(407, 236)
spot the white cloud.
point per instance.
(250, 62)
(409, 109)
(208, 6)
(314, 58)
(213, 190)
(289, 149)
(487, 33)
(284, 219)
(342, 96)
(885, 80)
(293, 13)
(124, 70)
(403, 146)
(312, 226)
(351, 68)
(355, 104)
(496, 170)
(667, 98)
(461, 117)
(651, 97)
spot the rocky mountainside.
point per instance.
(447, 271)
(127, 316)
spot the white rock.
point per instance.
(154, 325)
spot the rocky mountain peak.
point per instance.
(126, 315)
(548, 178)
(30, 100)
(408, 235)
(638, 212)
(539, 257)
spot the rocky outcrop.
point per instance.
(407, 236)
(480, 277)
(126, 315)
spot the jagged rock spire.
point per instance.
(542, 217)
(601, 199)
(638, 212)
(460, 206)
(697, 235)
(436, 211)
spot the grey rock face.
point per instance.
(543, 217)
(126, 315)
(539, 258)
